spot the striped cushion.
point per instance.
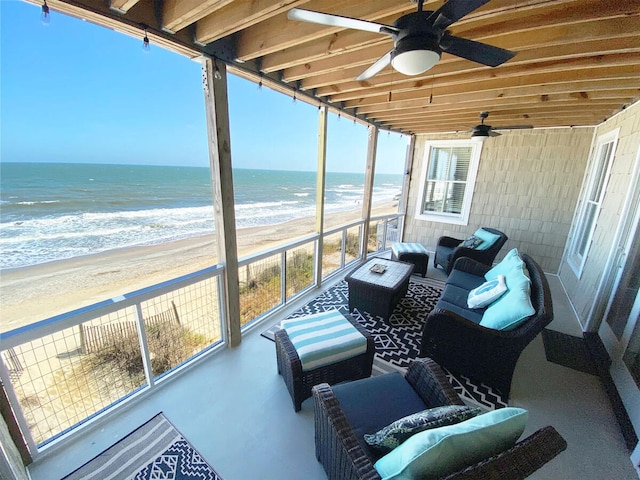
(324, 338)
(399, 248)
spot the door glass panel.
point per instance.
(625, 295)
(632, 355)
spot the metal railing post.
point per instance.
(283, 277)
(144, 346)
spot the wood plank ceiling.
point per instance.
(577, 61)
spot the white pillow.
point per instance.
(487, 293)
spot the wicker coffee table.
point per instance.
(378, 293)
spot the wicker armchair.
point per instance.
(341, 451)
(448, 250)
(484, 354)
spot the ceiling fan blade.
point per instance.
(452, 11)
(475, 51)
(494, 134)
(514, 127)
(376, 68)
(339, 21)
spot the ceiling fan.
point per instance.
(419, 38)
(482, 130)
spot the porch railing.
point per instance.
(73, 368)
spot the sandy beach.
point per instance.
(34, 293)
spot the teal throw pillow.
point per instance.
(471, 242)
(488, 238)
(514, 307)
(511, 259)
(487, 293)
(397, 432)
(439, 452)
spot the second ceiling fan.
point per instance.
(483, 130)
(419, 38)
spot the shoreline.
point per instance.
(33, 293)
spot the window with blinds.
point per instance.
(448, 179)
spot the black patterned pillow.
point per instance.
(397, 432)
(471, 242)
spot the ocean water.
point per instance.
(54, 211)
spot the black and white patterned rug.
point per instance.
(154, 451)
(398, 339)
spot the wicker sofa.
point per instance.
(453, 337)
(340, 415)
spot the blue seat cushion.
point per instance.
(464, 280)
(455, 295)
(474, 316)
(373, 403)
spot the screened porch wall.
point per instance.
(527, 186)
(581, 290)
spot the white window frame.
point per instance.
(461, 218)
(577, 260)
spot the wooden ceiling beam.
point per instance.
(552, 67)
(596, 31)
(385, 13)
(359, 58)
(508, 112)
(560, 16)
(583, 89)
(540, 83)
(566, 14)
(122, 6)
(542, 90)
(279, 32)
(350, 40)
(497, 118)
(569, 119)
(620, 97)
(239, 15)
(626, 44)
(345, 42)
(131, 24)
(546, 123)
(178, 14)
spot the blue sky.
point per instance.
(75, 92)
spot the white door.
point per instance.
(620, 333)
(620, 327)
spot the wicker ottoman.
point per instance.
(378, 290)
(300, 376)
(413, 253)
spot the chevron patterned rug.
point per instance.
(398, 340)
(154, 451)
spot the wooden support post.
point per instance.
(15, 453)
(372, 148)
(406, 181)
(408, 165)
(217, 110)
(320, 186)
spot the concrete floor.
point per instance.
(235, 410)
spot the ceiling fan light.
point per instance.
(413, 56)
(415, 62)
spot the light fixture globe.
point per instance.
(413, 55)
